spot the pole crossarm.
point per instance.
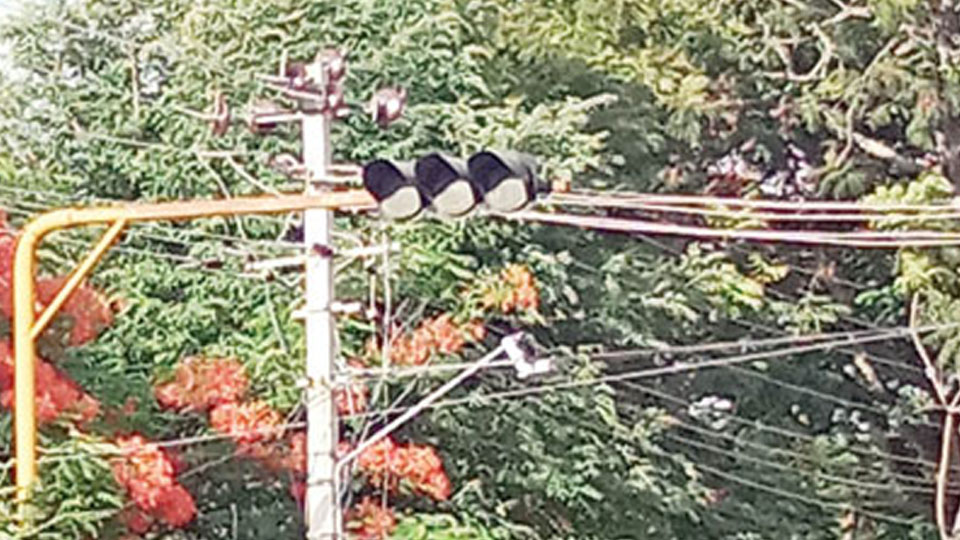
(26, 326)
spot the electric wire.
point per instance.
(852, 353)
(599, 198)
(540, 389)
(832, 478)
(866, 212)
(759, 486)
(812, 501)
(891, 239)
(659, 371)
(633, 354)
(759, 425)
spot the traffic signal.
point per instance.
(393, 185)
(445, 182)
(504, 180)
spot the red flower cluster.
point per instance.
(8, 244)
(352, 399)
(418, 466)
(201, 383)
(369, 520)
(137, 521)
(437, 335)
(218, 386)
(147, 474)
(514, 290)
(56, 393)
(246, 422)
(88, 310)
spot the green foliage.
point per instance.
(643, 95)
(440, 527)
(76, 496)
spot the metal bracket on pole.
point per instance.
(300, 260)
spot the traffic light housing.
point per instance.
(393, 185)
(507, 179)
(445, 182)
(504, 180)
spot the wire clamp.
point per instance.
(520, 359)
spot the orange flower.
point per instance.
(146, 473)
(437, 485)
(437, 335)
(247, 422)
(136, 521)
(143, 470)
(475, 330)
(202, 383)
(370, 521)
(421, 467)
(87, 309)
(417, 462)
(515, 289)
(8, 244)
(377, 460)
(175, 506)
(352, 399)
(56, 393)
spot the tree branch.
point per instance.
(930, 369)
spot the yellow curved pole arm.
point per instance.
(25, 326)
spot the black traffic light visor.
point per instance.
(505, 178)
(392, 185)
(445, 181)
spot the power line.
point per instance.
(812, 501)
(881, 213)
(841, 480)
(631, 354)
(531, 391)
(656, 372)
(784, 493)
(780, 431)
(890, 239)
(621, 197)
(815, 393)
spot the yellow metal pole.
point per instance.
(76, 278)
(25, 421)
(24, 266)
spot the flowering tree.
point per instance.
(219, 388)
(783, 99)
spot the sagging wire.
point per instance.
(779, 431)
(635, 353)
(599, 198)
(664, 205)
(890, 239)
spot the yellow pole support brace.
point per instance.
(25, 329)
(76, 278)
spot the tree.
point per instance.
(810, 99)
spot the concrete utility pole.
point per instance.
(322, 499)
